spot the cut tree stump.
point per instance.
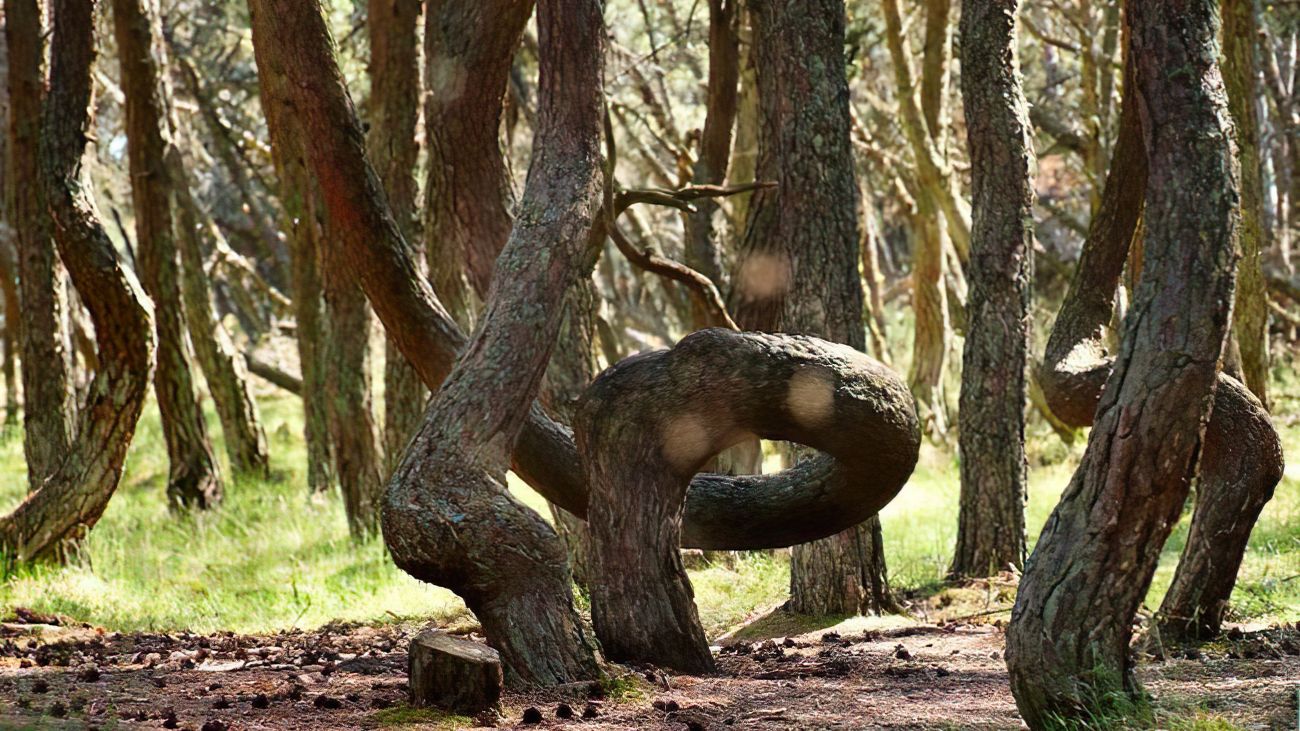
(453, 673)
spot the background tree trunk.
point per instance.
(798, 265)
(47, 394)
(994, 470)
(394, 108)
(1068, 641)
(192, 479)
(74, 496)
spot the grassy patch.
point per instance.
(400, 717)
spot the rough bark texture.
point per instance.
(453, 673)
(1241, 460)
(8, 256)
(74, 496)
(192, 479)
(648, 424)
(1068, 641)
(224, 369)
(1240, 77)
(468, 48)
(798, 265)
(994, 470)
(394, 107)
(702, 247)
(47, 394)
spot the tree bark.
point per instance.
(73, 497)
(1240, 76)
(1068, 641)
(394, 105)
(192, 479)
(8, 255)
(651, 422)
(994, 469)
(47, 393)
(468, 50)
(798, 264)
(226, 374)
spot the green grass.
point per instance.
(273, 557)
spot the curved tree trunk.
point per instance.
(1240, 77)
(468, 48)
(1068, 641)
(74, 496)
(394, 105)
(192, 479)
(47, 393)
(226, 373)
(798, 264)
(994, 470)
(651, 422)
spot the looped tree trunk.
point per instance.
(1241, 461)
(646, 425)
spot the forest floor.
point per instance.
(914, 676)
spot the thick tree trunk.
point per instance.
(226, 374)
(74, 496)
(652, 421)
(1240, 76)
(394, 105)
(798, 265)
(994, 470)
(468, 48)
(448, 517)
(1241, 459)
(192, 479)
(47, 393)
(1068, 641)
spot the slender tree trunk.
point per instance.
(994, 470)
(73, 497)
(13, 324)
(1240, 76)
(226, 374)
(192, 478)
(744, 148)
(394, 104)
(47, 393)
(798, 264)
(1068, 641)
(468, 49)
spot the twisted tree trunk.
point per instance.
(75, 494)
(994, 470)
(394, 105)
(1068, 642)
(192, 479)
(47, 393)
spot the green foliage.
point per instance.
(401, 717)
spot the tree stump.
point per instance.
(453, 673)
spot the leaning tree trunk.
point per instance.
(1241, 460)
(75, 494)
(227, 376)
(192, 479)
(47, 393)
(468, 48)
(448, 517)
(994, 471)
(394, 106)
(1240, 77)
(798, 264)
(1068, 641)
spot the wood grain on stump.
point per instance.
(454, 673)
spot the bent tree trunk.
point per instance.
(77, 491)
(1068, 641)
(994, 471)
(799, 260)
(47, 394)
(192, 479)
(1241, 458)
(448, 517)
(648, 424)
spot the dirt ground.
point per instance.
(58, 674)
